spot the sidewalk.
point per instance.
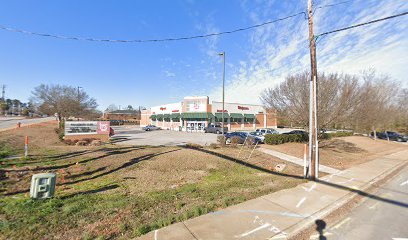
(295, 160)
(282, 214)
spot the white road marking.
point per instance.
(155, 234)
(399, 238)
(256, 229)
(404, 183)
(374, 205)
(341, 223)
(300, 202)
(309, 189)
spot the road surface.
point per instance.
(6, 123)
(374, 219)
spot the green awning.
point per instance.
(202, 115)
(249, 116)
(219, 115)
(153, 117)
(175, 115)
(166, 116)
(159, 116)
(236, 115)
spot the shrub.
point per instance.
(235, 140)
(341, 134)
(274, 139)
(221, 140)
(213, 146)
(193, 146)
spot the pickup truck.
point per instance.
(215, 128)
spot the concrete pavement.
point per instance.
(285, 213)
(296, 160)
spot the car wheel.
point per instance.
(148, 129)
(399, 140)
(228, 140)
(217, 132)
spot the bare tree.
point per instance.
(66, 101)
(337, 98)
(377, 107)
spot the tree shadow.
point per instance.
(98, 190)
(334, 185)
(125, 165)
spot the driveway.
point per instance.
(136, 136)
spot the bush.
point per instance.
(341, 134)
(213, 146)
(274, 139)
(193, 146)
(221, 140)
(235, 140)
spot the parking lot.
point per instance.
(131, 135)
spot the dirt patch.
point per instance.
(345, 152)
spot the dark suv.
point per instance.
(393, 136)
(242, 136)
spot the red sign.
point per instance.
(103, 127)
(220, 110)
(175, 111)
(162, 108)
(243, 108)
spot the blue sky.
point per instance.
(154, 73)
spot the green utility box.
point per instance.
(43, 185)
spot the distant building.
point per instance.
(195, 113)
(124, 115)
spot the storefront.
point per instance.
(193, 114)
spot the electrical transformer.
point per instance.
(42, 185)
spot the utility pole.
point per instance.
(223, 92)
(313, 144)
(3, 92)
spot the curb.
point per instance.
(303, 226)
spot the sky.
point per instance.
(154, 73)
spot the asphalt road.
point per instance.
(374, 219)
(135, 136)
(6, 123)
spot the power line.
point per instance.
(362, 24)
(149, 40)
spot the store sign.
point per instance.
(196, 105)
(175, 111)
(162, 108)
(220, 110)
(86, 127)
(243, 108)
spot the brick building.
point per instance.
(195, 113)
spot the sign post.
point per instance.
(26, 147)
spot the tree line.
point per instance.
(365, 103)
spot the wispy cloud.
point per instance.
(280, 49)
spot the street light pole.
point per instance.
(223, 93)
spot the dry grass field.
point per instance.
(120, 192)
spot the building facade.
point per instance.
(196, 113)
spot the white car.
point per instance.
(264, 131)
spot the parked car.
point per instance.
(393, 136)
(259, 135)
(151, 127)
(242, 136)
(297, 132)
(215, 128)
(267, 131)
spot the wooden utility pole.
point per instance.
(313, 145)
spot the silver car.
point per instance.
(151, 128)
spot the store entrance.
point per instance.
(195, 126)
